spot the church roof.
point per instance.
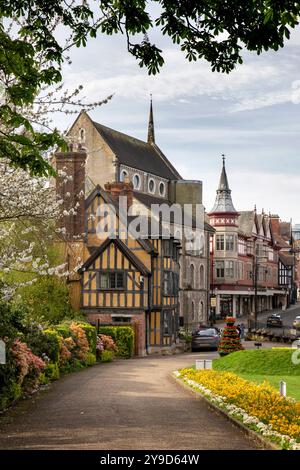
(148, 199)
(223, 202)
(137, 154)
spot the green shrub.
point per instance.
(107, 356)
(52, 345)
(8, 394)
(52, 372)
(44, 343)
(91, 335)
(123, 336)
(47, 299)
(91, 359)
(63, 330)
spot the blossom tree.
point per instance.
(29, 207)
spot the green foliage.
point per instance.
(10, 390)
(63, 330)
(9, 393)
(107, 356)
(91, 359)
(52, 372)
(51, 344)
(12, 319)
(91, 335)
(123, 336)
(209, 29)
(47, 300)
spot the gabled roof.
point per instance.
(137, 154)
(146, 244)
(125, 250)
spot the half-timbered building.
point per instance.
(149, 281)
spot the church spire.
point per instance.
(151, 136)
(223, 202)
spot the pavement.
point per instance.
(127, 404)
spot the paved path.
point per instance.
(122, 405)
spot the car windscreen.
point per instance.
(209, 332)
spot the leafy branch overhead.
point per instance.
(31, 55)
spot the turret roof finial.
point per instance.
(223, 158)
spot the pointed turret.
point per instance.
(223, 202)
(151, 136)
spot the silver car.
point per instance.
(206, 339)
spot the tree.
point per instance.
(31, 55)
(230, 340)
(29, 232)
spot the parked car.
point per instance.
(274, 320)
(206, 339)
(296, 322)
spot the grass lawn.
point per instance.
(270, 365)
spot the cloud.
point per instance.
(254, 187)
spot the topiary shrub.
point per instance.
(230, 339)
(123, 337)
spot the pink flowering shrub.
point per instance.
(65, 350)
(29, 365)
(105, 343)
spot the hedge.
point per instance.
(123, 336)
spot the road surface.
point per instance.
(132, 404)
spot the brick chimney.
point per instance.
(70, 187)
(122, 188)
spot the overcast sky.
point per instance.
(252, 115)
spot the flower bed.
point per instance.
(259, 407)
(38, 356)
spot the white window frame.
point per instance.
(154, 185)
(140, 181)
(162, 184)
(123, 174)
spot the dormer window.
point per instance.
(136, 181)
(151, 185)
(162, 189)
